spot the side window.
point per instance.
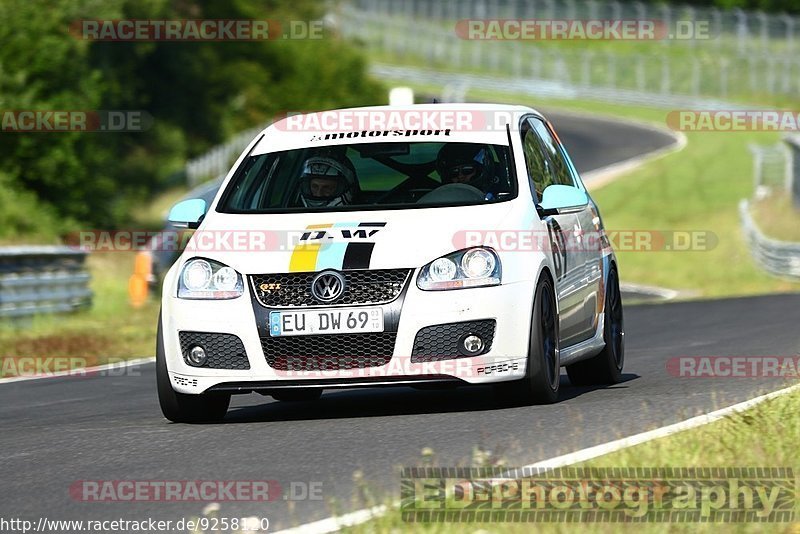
(561, 170)
(537, 163)
(251, 184)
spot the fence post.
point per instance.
(741, 30)
(691, 15)
(696, 77)
(612, 69)
(717, 32)
(758, 160)
(723, 78)
(641, 10)
(616, 10)
(762, 19)
(586, 64)
(516, 60)
(592, 5)
(789, 21)
(666, 19)
(640, 79)
(570, 9)
(793, 168)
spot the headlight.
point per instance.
(474, 267)
(206, 279)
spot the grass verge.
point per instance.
(777, 217)
(763, 436)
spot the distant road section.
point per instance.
(596, 142)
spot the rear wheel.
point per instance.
(180, 407)
(297, 395)
(543, 370)
(606, 367)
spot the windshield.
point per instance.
(371, 176)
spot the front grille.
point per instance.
(440, 342)
(330, 352)
(290, 290)
(224, 351)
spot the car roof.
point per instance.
(474, 122)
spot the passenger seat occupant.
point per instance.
(464, 163)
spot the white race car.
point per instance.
(365, 247)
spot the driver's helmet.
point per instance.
(465, 163)
(327, 182)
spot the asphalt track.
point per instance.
(61, 430)
(594, 142)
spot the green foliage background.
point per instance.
(198, 93)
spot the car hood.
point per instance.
(302, 242)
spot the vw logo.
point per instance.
(327, 286)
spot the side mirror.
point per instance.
(561, 199)
(187, 213)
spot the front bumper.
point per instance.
(508, 304)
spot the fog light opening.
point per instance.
(197, 356)
(472, 344)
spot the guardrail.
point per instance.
(38, 280)
(781, 258)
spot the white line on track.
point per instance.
(81, 371)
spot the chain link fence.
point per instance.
(729, 30)
(749, 54)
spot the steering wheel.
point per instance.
(453, 193)
(413, 185)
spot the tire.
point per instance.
(606, 367)
(297, 395)
(543, 369)
(180, 407)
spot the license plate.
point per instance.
(336, 321)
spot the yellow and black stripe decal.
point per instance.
(334, 246)
(304, 255)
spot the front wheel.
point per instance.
(180, 407)
(606, 367)
(543, 370)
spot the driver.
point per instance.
(466, 163)
(327, 181)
